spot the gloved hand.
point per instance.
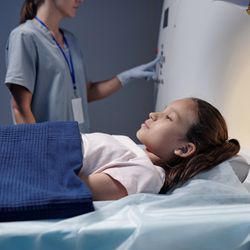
(147, 71)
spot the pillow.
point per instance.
(39, 165)
(246, 154)
(240, 166)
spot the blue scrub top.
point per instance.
(35, 62)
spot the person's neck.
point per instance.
(51, 18)
(154, 158)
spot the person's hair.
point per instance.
(29, 9)
(210, 136)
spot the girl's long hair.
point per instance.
(210, 136)
(29, 9)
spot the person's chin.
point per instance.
(139, 134)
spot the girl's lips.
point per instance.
(145, 124)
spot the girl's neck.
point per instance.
(154, 158)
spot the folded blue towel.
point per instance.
(39, 164)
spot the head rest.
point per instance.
(240, 166)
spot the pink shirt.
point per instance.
(123, 160)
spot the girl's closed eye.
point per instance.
(169, 118)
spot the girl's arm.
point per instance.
(104, 187)
(21, 104)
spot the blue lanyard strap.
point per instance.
(68, 61)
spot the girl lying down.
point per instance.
(187, 137)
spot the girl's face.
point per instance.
(165, 131)
(67, 8)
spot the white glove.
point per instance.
(147, 71)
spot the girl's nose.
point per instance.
(153, 116)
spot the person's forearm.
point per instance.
(100, 90)
(21, 104)
(23, 115)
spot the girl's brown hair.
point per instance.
(210, 136)
(29, 9)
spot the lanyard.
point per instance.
(69, 60)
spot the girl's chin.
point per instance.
(138, 134)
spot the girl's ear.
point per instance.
(185, 150)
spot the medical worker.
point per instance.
(45, 67)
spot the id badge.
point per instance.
(77, 110)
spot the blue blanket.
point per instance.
(39, 164)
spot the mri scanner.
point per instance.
(205, 45)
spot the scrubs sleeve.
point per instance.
(21, 58)
(84, 67)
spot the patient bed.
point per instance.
(211, 211)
